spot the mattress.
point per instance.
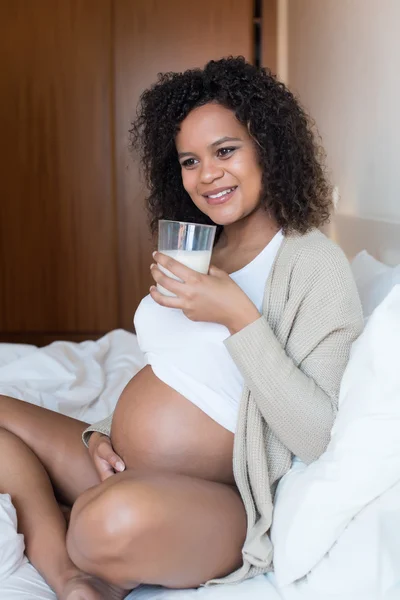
(84, 381)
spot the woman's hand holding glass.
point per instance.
(212, 298)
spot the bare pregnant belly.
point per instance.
(155, 428)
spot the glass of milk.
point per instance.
(189, 243)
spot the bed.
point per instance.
(84, 380)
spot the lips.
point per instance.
(219, 195)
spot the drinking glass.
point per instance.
(189, 243)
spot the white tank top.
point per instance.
(191, 356)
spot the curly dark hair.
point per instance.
(295, 189)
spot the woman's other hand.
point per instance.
(214, 298)
(105, 460)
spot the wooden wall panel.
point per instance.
(153, 36)
(58, 252)
(269, 28)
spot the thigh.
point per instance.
(170, 530)
(201, 533)
(56, 440)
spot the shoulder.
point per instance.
(314, 255)
(314, 247)
(317, 270)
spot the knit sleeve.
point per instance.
(298, 397)
(103, 427)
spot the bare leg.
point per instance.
(24, 478)
(171, 530)
(163, 529)
(56, 441)
(56, 448)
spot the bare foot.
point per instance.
(86, 587)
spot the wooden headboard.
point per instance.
(380, 238)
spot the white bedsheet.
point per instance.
(84, 381)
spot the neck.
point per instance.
(254, 231)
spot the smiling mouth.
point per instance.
(221, 197)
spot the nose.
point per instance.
(210, 171)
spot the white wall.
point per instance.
(343, 59)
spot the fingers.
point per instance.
(105, 460)
(216, 272)
(172, 285)
(103, 469)
(175, 267)
(163, 300)
(105, 451)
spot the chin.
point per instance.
(225, 219)
(224, 222)
(220, 215)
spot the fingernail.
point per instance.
(152, 287)
(152, 265)
(120, 466)
(154, 253)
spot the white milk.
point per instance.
(198, 260)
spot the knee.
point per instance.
(104, 528)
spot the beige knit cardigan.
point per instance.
(292, 360)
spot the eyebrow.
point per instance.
(213, 145)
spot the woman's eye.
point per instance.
(223, 152)
(189, 162)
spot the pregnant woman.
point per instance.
(243, 364)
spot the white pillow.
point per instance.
(315, 504)
(374, 280)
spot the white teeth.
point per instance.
(222, 193)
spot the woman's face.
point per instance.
(220, 168)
